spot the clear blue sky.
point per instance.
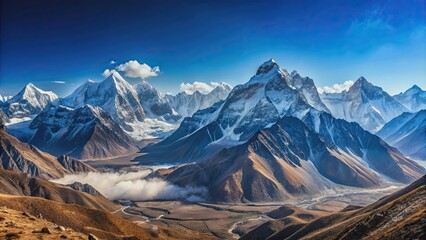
(330, 41)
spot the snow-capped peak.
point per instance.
(267, 66)
(35, 96)
(414, 98)
(30, 91)
(362, 82)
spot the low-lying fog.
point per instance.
(135, 186)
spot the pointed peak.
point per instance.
(267, 67)
(30, 85)
(416, 88)
(362, 81)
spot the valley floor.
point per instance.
(232, 221)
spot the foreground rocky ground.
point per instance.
(21, 225)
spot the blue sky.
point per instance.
(57, 45)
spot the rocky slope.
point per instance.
(101, 224)
(398, 216)
(368, 105)
(414, 99)
(83, 133)
(30, 100)
(22, 157)
(3, 118)
(19, 184)
(407, 133)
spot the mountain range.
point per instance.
(112, 109)
(271, 138)
(267, 142)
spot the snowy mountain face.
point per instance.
(154, 104)
(83, 133)
(114, 95)
(269, 95)
(30, 100)
(407, 133)
(140, 109)
(366, 104)
(414, 99)
(187, 104)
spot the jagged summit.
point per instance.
(267, 66)
(413, 98)
(364, 103)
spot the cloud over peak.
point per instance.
(134, 69)
(336, 88)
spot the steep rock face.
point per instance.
(30, 100)
(25, 158)
(261, 102)
(3, 118)
(154, 104)
(84, 133)
(114, 95)
(368, 105)
(414, 99)
(407, 133)
(290, 159)
(309, 90)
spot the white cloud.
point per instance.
(201, 87)
(336, 88)
(134, 69)
(133, 186)
(59, 82)
(112, 62)
(107, 72)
